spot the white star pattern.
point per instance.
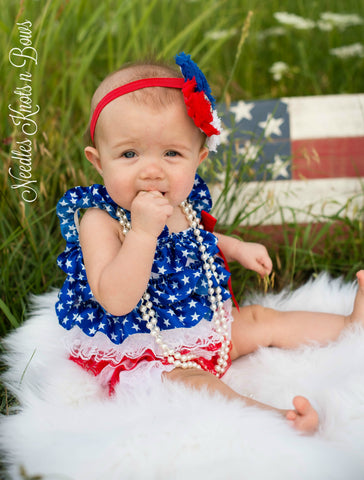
(76, 304)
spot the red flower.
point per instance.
(198, 108)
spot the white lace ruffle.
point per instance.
(197, 340)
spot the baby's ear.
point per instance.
(93, 156)
(203, 154)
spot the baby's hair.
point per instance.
(155, 97)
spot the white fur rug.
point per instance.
(66, 429)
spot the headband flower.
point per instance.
(199, 101)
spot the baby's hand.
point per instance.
(149, 212)
(254, 256)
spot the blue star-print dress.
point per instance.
(103, 342)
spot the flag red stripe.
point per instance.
(328, 158)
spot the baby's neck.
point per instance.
(177, 222)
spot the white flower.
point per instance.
(221, 34)
(294, 20)
(278, 69)
(346, 51)
(340, 20)
(271, 32)
(325, 26)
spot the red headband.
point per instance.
(131, 87)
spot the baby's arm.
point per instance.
(118, 268)
(253, 256)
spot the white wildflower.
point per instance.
(294, 20)
(278, 69)
(221, 34)
(346, 51)
(325, 26)
(271, 32)
(329, 20)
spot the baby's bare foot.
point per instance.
(304, 418)
(358, 309)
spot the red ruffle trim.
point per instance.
(127, 364)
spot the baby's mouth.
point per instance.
(159, 191)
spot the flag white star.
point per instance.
(278, 167)
(271, 125)
(224, 135)
(242, 110)
(249, 151)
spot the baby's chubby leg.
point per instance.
(303, 417)
(256, 326)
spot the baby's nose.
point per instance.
(152, 169)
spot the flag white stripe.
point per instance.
(329, 116)
(300, 201)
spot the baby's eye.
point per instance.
(172, 153)
(129, 154)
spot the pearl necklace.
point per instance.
(215, 298)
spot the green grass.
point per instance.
(79, 42)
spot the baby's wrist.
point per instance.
(145, 236)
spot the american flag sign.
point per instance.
(305, 154)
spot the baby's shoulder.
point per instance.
(97, 218)
(96, 225)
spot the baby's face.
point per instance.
(147, 148)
